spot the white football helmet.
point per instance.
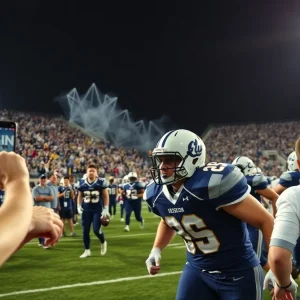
(256, 170)
(245, 164)
(291, 163)
(132, 176)
(125, 179)
(184, 144)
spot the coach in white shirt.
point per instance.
(283, 240)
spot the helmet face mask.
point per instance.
(132, 177)
(175, 158)
(181, 151)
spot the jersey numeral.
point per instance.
(91, 196)
(131, 193)
(67, 194)
(111, 191)
(195, 234)
(215, 167)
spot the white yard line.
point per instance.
(62, 287)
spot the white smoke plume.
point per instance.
(100, 116)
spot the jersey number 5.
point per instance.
(195, 234)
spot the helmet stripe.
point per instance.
(166, 137)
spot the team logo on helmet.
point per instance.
(194, 149)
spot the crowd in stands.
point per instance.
(224, 143)
(50, 143)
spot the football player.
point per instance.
(113, 194)
(288, 179)
(93, 202)
(134, 191)
(208, 206)
(66, 196)
(259, 188)
(122, 197)
(284, 236)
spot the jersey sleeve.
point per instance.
(150, 196)
(79, 185)
(259, 182)
(286, 179)
(104, 184)
(228, 188)
(286, 225)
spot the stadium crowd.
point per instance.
(224, 143)
(49, 143)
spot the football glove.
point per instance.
(270, 283)
(80, 209)
(153, 261)
(105, 212)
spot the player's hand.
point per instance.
(121, 202)
(278, 293)
(80, 209)
(12, 168)
(45, 223)
(153, 261)
(105, 212)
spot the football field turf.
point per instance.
(59, 273)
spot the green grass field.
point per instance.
(59, 273)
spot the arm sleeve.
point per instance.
(228, 189)
(286, 226)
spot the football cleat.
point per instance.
(85, 254)
(103, 248)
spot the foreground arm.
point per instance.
(16, 211)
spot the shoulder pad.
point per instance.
(286, 176)
(152, 190)
(224, 181)
(259, 179)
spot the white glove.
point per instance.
(270, 283)
(105, 212)
(80, 209)
(153, 261)
(121, 202)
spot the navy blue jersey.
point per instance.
(92, 193)
(290, 178)
(257, 182)
(112, 192)
(215, 240)
(65, 202)
(1, 197)
(133, 189)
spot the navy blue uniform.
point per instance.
(133, 203)
(257, 182)
(1, 197)
(122, 201)
(65, 203)
(92, 205)
(221, 262)
(288, 179)
(112, 191)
